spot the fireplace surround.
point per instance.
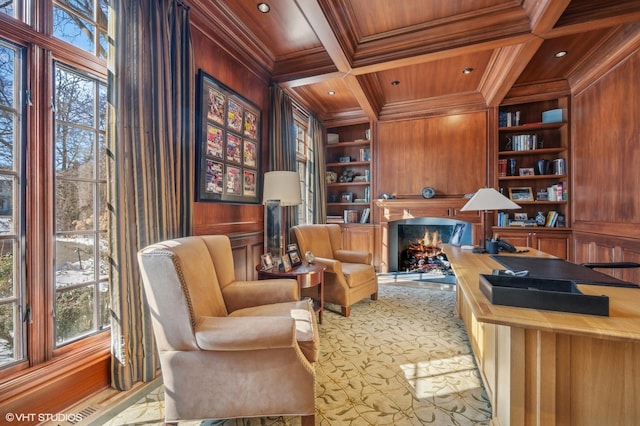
(431, 210)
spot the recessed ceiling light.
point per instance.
(331, 92)
(395, 82)
(467, 70)
(560, 54)
(264, 8)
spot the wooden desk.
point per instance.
(552, 368)
(307, 275)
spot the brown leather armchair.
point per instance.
(227, 348)
(350, 275)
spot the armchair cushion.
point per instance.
(245, 294)
(353, 256)
(244, 333)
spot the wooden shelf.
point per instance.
(532, 126)
(348, 144)
(537, 151)
(534, 177)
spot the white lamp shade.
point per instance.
(489, 199)
(283, 186)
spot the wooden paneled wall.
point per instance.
(222, 218)
(448, 153)
(605, 157)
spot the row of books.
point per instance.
(350, 216)
(553, 219)
(524, 142)
(365, 154)
(508, 119)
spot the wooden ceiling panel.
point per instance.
(544, 66)
(434, 79)
(284, 30)
(375, 17)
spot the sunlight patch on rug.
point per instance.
(441, 377)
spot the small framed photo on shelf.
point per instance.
(521, 194)
(286, 263)
(294, 254)
(346, 197)
(267, 261)
(520, 216)
(527, 171)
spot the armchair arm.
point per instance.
(246, 294)
(353, 256)
(334, 266)
(245, 333)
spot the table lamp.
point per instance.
(280, 189)
(485, 200)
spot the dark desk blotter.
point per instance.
(546, 294)
(558, 269)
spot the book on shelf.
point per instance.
(335, 219)
(552, 217)
(365, 215)
(508, 119)
(364, 154)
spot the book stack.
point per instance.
(502, 167)
(524, 142)
(335, 219)
(552, 217)
(365, 154)
(365, 215)
(508, 119)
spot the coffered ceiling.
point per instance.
(394, 59)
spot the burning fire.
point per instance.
(429, 246)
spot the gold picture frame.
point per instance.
(523, 193)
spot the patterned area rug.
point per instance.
(401, 360)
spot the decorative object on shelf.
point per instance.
(346, 197)
(310, 258)
(331, 177)
(552, 116)
(542, 167)
(521, 194)
(347, 176)
(540, 219)
(344, 159)
(228, 147)
(559, 166)
(526, 171)
(281, 189)
(488, 199)
(385, 196)
(511, 167)
(428, 192)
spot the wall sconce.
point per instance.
(280, 189)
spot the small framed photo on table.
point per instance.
(286, 263)
(267, 261)
(294, 254)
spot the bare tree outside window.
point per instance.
(82, 23)
(81, 268)
(12, 336)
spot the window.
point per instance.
(82, 24)
(81, 263)
(12, 333)
(303, 156)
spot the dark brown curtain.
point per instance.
(282, 143)
(150, 143)
(319, 167)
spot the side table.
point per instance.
(307, 275)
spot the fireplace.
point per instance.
(416, 244)
(444, 210)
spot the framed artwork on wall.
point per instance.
(228, 144)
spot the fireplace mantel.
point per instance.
(409, 208)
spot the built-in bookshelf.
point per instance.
(348, 157)
(532, 167)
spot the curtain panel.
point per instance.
(150, 162)
(316, 137)
(282, 143)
